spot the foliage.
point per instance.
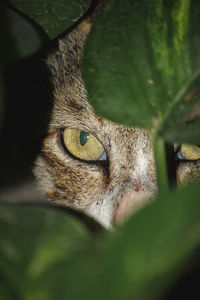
(142, 56)
(46, 254)
(53, 16)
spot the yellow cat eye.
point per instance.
(83, 145)
(190, 152)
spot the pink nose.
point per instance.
(129, 202)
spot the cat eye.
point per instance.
(83, 145)
(188, 152)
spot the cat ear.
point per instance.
(65, 59)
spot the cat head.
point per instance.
(88, 163)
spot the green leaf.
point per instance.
(183, 123)
(142, 61)
(47, 255)
(53, 16)
(32, 240)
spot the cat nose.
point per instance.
(129, 202)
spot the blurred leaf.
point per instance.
(32, 240)
(142, 60)
(53, 16)
(47, 255)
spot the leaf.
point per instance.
(32, 240)
(47, 255)
(183, 123)
(53, 16)
(142, 60)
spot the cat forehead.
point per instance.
(74, 113)
(77, 112)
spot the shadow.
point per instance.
(27, 102)
(187, 285)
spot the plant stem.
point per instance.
(160, 162)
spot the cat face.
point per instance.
(108, 188)
(88, 163)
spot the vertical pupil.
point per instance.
(84, 136)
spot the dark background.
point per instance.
(25, 107)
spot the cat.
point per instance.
(88, 163)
